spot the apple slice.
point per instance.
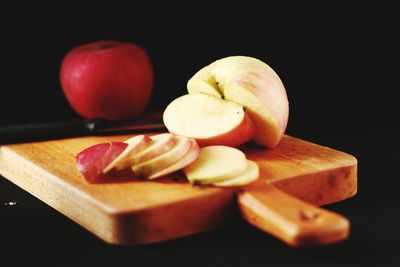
(160, 144)
(210, 120)
(92, 160)
(135, 144)
(180, 164)
(249, 175)
(87, 158)
(162, 161)
(216, 164)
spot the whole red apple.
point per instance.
(107, 79)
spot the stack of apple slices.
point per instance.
(147, 157)
(162, 154)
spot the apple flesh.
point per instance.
(92, 160)
(147, 168)
(180, 164)
(160, 144)
(107, 79)
(254, 85)
(121, 162)
(209, 119)
(249, 175)
(216, 164)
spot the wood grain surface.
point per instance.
(130, 211)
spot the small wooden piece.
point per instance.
(138, 212)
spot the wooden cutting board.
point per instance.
(138, 212)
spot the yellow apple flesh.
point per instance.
(183, 162)
(164, 160)
(249, 175)
(252, 84)
(216, 164)
(160, 144)
(135, 144)
(209, 119)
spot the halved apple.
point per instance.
(164, 160)
(249, 175)
(183, 162)
(216, 164)
(252, 84)
(209, 119)
(134, 145)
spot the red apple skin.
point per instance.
(107, 79)
(92, 160)
(87, 158)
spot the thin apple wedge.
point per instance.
(249, 175)
(160, 144)
(164, 160)
(209, 119)
(92, 160)
(216, 164)
(86, 159)
(135, 144)
(185, 161)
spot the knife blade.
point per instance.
(29, 132)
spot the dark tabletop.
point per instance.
(334, 61)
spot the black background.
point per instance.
(338, 63)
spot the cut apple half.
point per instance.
(250, 83)
(162, 161)
(134, 145)
(249, 175)
(210, 120)
(180, 164)
(216, 164)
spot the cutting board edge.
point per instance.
(344, 178)
(173, 220)
(119, 227)
(43, 185)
